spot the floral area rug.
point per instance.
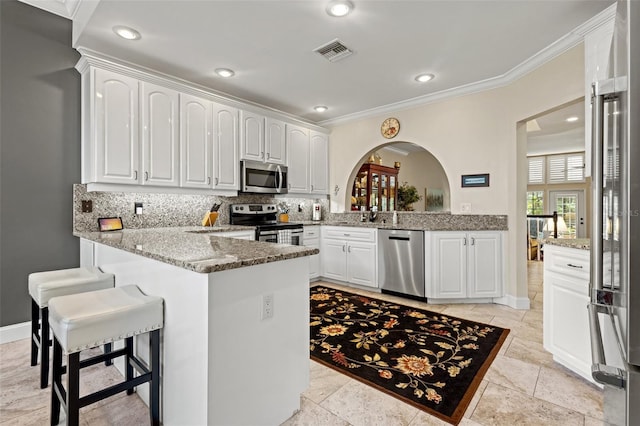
(432, 361)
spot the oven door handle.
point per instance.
(263, 233)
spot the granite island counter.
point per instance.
(221, 350)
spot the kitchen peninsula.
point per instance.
(221, 349)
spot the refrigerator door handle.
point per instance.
(600, 371)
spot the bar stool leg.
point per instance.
(107, 349)
(127, 362)
(56, 382)
(35, 333)
(44, 347)
(154, 403)
(73, 389)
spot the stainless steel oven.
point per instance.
(263, 178)
(281, 235)
(265, 218)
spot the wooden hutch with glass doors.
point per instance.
(376, 186)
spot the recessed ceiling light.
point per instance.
(339, 8)
(422, 78)
(572, 119)
(127, 32)
(225, 72)
(320, 108)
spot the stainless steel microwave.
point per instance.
(263, 178)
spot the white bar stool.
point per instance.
(87, 320)
(45, 285)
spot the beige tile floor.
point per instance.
(523, 386)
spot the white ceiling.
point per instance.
(270, 43)
(555, 134)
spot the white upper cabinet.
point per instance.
(298, 155)
(251, 136)
(275, 142)
(115, 158)
(195, 142)
(144, 129)
(225, 147)
(319, 163)
(160, 135)
(262, 138)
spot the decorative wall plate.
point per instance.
(390, 127)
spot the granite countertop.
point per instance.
(577, 243)
(427, 223)
(197, 248)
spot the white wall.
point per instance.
(474, 134)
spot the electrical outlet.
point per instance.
(465, 207)
(267, 306)
(87, 206)
(137, 208)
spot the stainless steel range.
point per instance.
(265, 218)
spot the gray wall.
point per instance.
(39, 150)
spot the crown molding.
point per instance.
(65, 8)
(570, 40)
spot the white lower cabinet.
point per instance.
(565, 317)
(350, 255)
(463, 264)
(312, 239)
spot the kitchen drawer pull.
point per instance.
(347, 235)
(344, 247)
(349, 249)
(135, 175)
(217, 180)
(208, 180)
(473, 241)
(464, 241)
(146, 176)
(571, 265)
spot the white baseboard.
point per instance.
(13, 332)
(514, 302)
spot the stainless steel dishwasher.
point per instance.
(401, 262)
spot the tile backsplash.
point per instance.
(161, 210)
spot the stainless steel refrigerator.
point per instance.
(614, 310)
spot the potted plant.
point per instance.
(407, 195)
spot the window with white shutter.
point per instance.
(536, 170)
(575, 168)
(556, 169)
(565, 168)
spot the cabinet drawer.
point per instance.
(311, 232)
(567, 261)
(349, 234)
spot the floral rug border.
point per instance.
(470, 391)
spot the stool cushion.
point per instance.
(45, 285)
(86, 320)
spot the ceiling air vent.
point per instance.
(334, 50)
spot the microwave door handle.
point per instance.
(279, 179)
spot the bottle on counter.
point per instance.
(395, 217)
